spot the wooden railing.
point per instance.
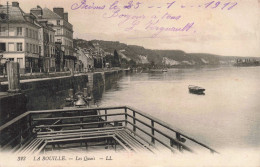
(24, 127)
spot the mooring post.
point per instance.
(13, 77)
(71, 72)
(71, 93)
(85, 92)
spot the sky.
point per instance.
(225, 27)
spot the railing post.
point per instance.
(125, 117)
(62, 114)
(81, 120)
(105, 116)
(152, 130)
(21, 133)
(178, 137)
(134, 128)
(30, 122)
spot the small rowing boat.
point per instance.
(196, 89)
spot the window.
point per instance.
(19, 31)
(27, 32)
(58, 40)
(58, 22)
(2, 31)
(27, 47)
(30, 33)
(2, 47)
(40, 49)
(52, 63)
(11, 59)
(3, 16)
(58, 31)
(36, 47)
(27, 62)
(20, 61)
(31, 48)
(19, 47)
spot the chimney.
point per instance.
(66, 17)
(15, 4)
(37, 11)
(59, 11)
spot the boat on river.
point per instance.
(196, 89)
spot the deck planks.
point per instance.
(120, 135)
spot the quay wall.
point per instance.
(11, 105)
(104, 80)
(50, 93)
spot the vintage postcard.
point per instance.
(129, 83)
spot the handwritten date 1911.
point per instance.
(84, 4)
(211, 4)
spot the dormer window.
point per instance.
(58, 22)
(3, 16)
(2, 31)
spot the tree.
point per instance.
(116, 59)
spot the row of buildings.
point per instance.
(42, 40)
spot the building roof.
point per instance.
(15, 13)
(46, 26)
(48, 14)
(82, 52)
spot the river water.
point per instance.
(227, 116)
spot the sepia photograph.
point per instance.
(132, 83)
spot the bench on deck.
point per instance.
(112, 135)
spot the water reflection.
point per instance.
(111, 84)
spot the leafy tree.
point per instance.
(116, 59)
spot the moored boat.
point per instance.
(196, 89)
